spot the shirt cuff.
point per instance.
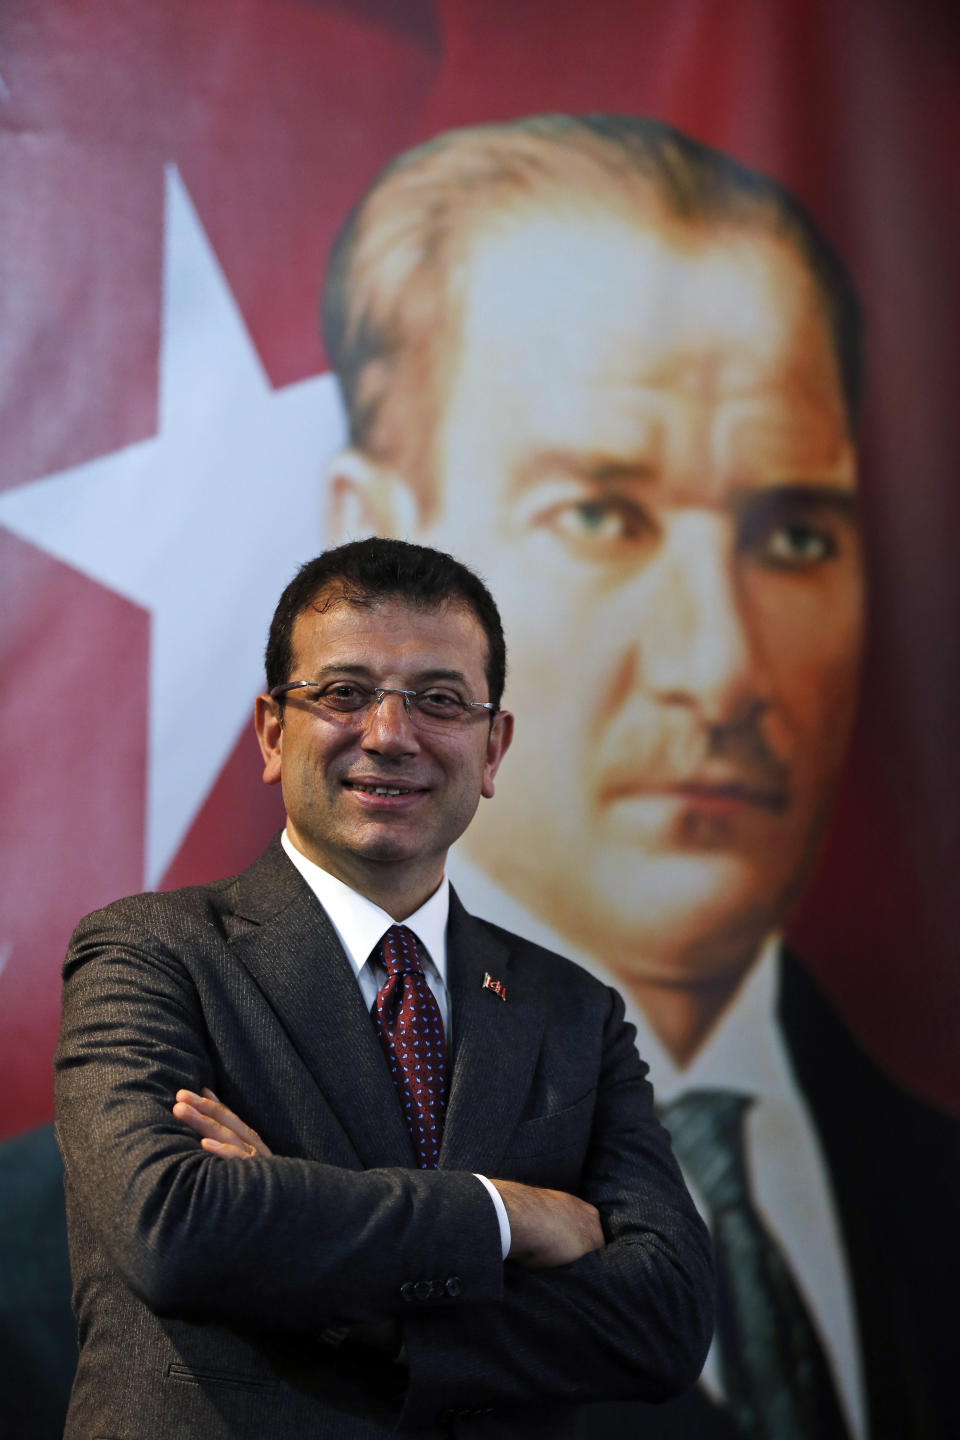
(501, 1210)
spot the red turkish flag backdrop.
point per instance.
(277, 115)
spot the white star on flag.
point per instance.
(202, 524)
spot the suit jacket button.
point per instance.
(453, 1286)
(406, 1290)
(423, 1289)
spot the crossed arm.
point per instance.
(556, 1302)
(547, 1227)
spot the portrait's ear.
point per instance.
(266, 718)
(366, 497)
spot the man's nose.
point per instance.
(388, 726)
(696, 643)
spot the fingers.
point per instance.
(221, 1131)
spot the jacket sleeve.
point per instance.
(283, 1242)
(630, 1321)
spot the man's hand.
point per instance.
(221, 1132)
(548, 1227)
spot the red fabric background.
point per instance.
(278, 113)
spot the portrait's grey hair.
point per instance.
(395, 281)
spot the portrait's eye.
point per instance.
(797, 546)
(797, 529)
(602, 527)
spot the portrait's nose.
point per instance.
(695, 642)
(388, 728)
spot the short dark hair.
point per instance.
(395, 280)
(366, 572)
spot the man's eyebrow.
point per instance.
(432, 676)
(422, 677)
(336, 667)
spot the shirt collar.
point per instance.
(361, 925)
(744, 1051)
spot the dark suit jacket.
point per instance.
(203, 1288)
(894, 1165)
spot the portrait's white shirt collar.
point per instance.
(360, 925)
(744, 1051)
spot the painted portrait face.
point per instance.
(643, 448)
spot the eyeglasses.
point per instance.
(435, 706)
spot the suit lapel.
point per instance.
(293, 954)
(496, 1044)
(284, 939)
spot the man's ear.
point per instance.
(366, 497)
(266, 718)
(498, 743)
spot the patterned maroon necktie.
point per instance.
(408, 1022)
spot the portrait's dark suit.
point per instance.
(894, 1166)
(203, 1286)
(38, 1347)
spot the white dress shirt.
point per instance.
(789, 1178)
(361, 925)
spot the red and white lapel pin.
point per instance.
(497, 986)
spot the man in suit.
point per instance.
(349, 1262)
(619, 373)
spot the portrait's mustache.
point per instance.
(686, 756)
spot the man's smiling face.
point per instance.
(381, 788)
(644, 448)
